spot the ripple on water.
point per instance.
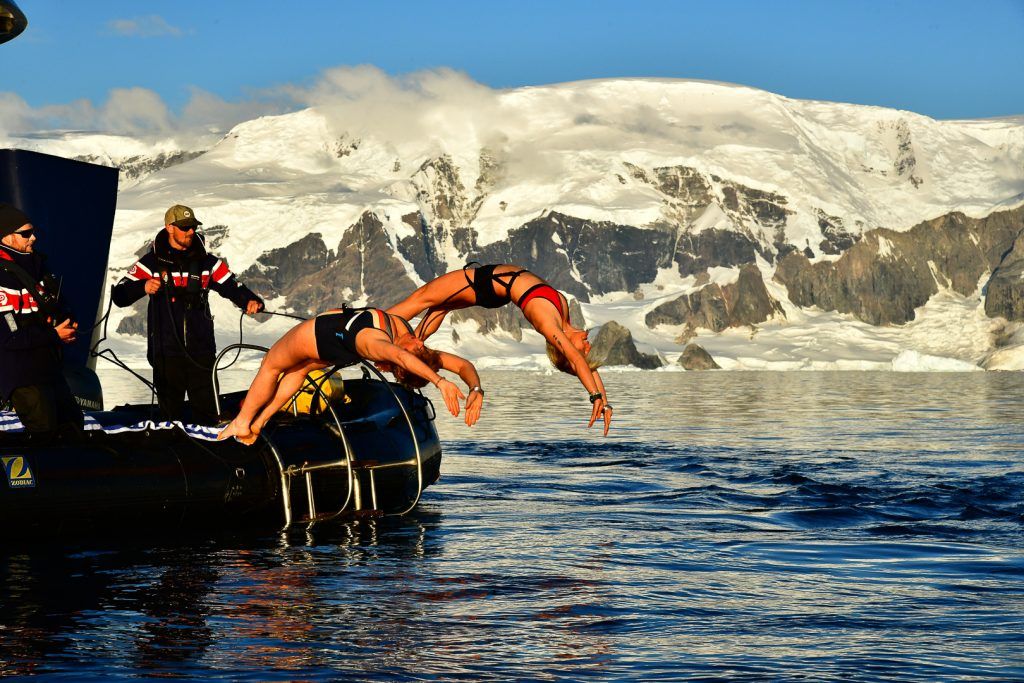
(749, 526)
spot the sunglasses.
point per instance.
(25, 233)
(185, 228)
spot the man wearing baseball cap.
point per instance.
(32, 331)
(178, 274)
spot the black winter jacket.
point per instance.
(179, 313)
(29, 346)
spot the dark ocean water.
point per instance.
(734, 526)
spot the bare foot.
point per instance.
(241, 434)
(247, 440)
(250, 438)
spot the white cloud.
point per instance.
(424, 106)
(144, 27)
(433, 105)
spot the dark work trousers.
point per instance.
(47, 407)
(173, 376)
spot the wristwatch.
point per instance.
(477, 389)
(596, 396)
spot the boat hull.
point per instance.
(159, 476)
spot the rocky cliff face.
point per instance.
(880, 277)
(887, 274)
(1004, 292)
(136, 167)
(709, 221)
(715, 307)
(665, 188)
(314, 278)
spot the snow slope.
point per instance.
(574, 148)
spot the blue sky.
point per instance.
(940, 58)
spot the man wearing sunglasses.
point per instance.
(178, 274)
(32, 332)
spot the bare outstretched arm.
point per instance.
(377, 347)
(606, 410)
(590, 380)
(466, 370)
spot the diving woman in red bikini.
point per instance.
(344, 337)
(545, 307)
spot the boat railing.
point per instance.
(349, 463)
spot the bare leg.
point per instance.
(451, 289)
(286, 388)
(262, 389)
(287, 353)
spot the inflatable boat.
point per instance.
(371, 452)
(369, 447)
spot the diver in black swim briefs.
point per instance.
(343, 337)
(336, 332)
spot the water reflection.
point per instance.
(759, 525)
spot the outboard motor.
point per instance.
(85, 386)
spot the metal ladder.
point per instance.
(348, 463)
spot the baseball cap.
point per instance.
(11, 218)
(181, 215)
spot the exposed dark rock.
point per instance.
(533, 247)
(214, 236)
(887, 274)
(748, 300)
(313, 279)
(877, 290)
(837, 239)
(345, 145)
(696, 252)
(713, 307)
(491, 172)
(609, 257)
(705, 308)
(576, 318)
(507, 318)
(277, 271)
(787, 249)
(765, 208)
(695, 357)
(613, 345)
(464, 239)
(904, 163)
(367, 264)
(421, 249)
(135, 322)
(1004, 293)
(138, 167)
(636, 172)
(439, 186)
(686, 184)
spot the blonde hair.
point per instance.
(561, 362)
(430, 357)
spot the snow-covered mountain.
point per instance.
(776, 233)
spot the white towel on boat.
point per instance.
(9, 422)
